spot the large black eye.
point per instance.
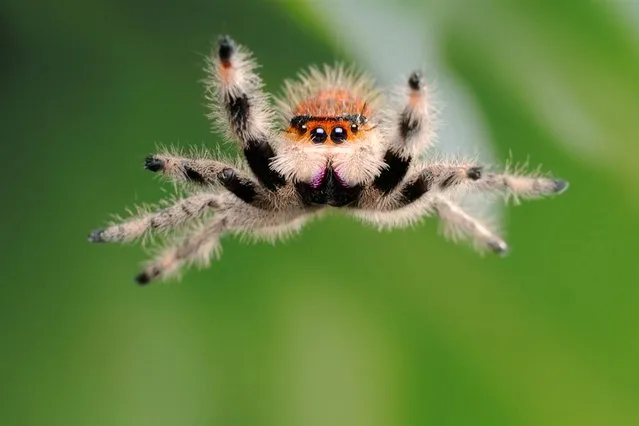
(318, 135)
(338, 135)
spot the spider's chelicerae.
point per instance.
(339, 144)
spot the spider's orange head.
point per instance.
(331, 107)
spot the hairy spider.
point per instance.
(340, 145)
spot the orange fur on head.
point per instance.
(331, 91)
(331, 103)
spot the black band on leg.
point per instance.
(243, 189)
(409, 125)
(194, 176)
(239, 109)
(412, 191)
(452, 178)
(390, 177)
(258, 156)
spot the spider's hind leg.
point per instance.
(458, 224)
(164, 219)
(198, 246)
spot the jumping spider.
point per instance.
(340, 145)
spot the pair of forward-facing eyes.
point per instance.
(318, 133)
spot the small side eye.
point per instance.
(338, 135)
(354, 128)
(299, 124)
(318, 135)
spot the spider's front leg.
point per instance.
(408, 135)
(207, 172)
(239, 105)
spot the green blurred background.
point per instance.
(341, 325)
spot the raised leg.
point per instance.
(239, 106)
(409, 135)
(167, 218)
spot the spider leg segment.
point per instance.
(435, 178)
(520, 186)
(460, 225)
(199, 245)
(457, 224)
(195, 248)
(427, 191)
(408, 136)
(444, 178)
(207, 172)
(165, 219)
(200, 171)
(239, 105)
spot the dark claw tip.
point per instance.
(226, 47)
(500, 248)
(226, 175)
(153, 164)
(561, 186)
(96, 236)
(415, 80)
(474, 173)
(143, 278)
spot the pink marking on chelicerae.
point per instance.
(318, 178)
(339, 179)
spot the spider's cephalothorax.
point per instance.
(331, 140)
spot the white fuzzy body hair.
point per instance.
(331, 141)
